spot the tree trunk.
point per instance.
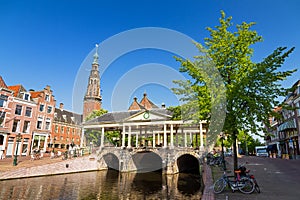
(235, 161)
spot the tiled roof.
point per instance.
(2, 83)
(17, 89)
(147, 103)
(67, 117)
(135, 105)
(35, 94)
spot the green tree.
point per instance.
(96, 113)
(252, 89)
(94, 135)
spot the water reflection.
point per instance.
(108, 184)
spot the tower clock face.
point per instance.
(146, 115)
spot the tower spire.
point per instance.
(96, 55)
(92, 99)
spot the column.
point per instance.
(123, 136)
(82, 136)
(172, 137)
(137, 139)
(185, 139)
(153, 140)
(129, 137)
(102, 137)
(158, 139)
(165, 135)
(191, 139)
(201, 136)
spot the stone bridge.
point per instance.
(167, 160)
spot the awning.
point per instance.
(287, 125)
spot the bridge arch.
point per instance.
(147, 161)
(188, 163)
(112, 161)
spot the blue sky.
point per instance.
(50, 42)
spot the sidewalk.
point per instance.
(277, 179)
(25, 162)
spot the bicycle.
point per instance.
(243, 184)
(246, 173)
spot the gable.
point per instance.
(148, 116)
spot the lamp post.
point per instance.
(53, 144)
(18, 139)
(222, 144)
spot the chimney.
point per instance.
(163, 105)
(61, 106)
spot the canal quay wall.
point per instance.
(79, 164)
(89, 163)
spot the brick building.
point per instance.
(92, 99)
(66, 129)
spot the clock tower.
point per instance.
(92, 99)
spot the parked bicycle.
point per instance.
(243, 184)
(246, 173)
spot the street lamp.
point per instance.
(18, 139)
(53, 144)
(222, 137)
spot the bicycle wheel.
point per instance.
(257, 189)
(247, 186)
(219, 185)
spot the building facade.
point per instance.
(44, 117)
(285, 132)
(66, 130)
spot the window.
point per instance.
(1, 139)
(39, 123)
(47, 124)
(26, 96)
(18, 110)
(26, 126)
(68, 130)
(3, 100)
(2, 117)
(47, 97)
(49, 110)
(42, 108)
(28, 111)
(16, 125)
(56, 129)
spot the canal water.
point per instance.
(106, 185)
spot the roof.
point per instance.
(147, 103)
(35, 94)
(2, 83)
(135, 105)
(17, 89)
(67, 117)
(114, 117)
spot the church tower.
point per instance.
(92, 99)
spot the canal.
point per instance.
(106, 185)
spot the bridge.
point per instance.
(149, 140)
(169, 161)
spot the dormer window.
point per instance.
(47, 97)
(55, 115)
(26, 96)
(73, 119)
(3, 100)
(65, 117)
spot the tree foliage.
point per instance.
(252, 89)
(94, 135)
